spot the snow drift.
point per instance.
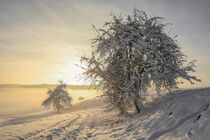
(185, 114)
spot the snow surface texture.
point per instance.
(183, 115)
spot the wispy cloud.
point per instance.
(38, 36)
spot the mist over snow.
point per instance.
(184, 114)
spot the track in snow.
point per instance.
(65, 129)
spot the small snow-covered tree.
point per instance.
(58, 99)
(132, 54)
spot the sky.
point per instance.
(42, 40)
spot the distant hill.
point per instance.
(45, 86)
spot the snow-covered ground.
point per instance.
(183, 115)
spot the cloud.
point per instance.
(51, 34)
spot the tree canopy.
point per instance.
(58, 99)
(133, 53)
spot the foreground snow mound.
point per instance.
(185, 114)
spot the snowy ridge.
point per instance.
(183, 115)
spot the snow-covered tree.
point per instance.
(58, 99)
(130, 55)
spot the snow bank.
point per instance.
(183, 115)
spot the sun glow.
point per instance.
(71, 73)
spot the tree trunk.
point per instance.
(138, 104)
(137, 101)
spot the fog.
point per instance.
(20, 101)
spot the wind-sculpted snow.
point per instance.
(184, 114)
